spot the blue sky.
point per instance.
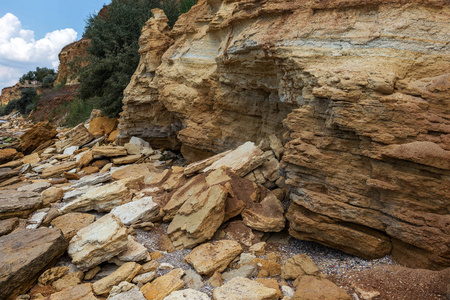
(32, 33)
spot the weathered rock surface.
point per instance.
(77, 136)
(142, 210)
(164, 285)
(105, 197)
(126, 272)
(102, 125)
(8, 225)
(98, 242)
(364, 101)
(71, 58)
(18, 204)
(51, 195)
(198, 218)
(36, 136)
(81, 292)
(71, 223)
(245, 289)
(7, 155)
(215, 256)
(312, 288)
(298, 265)
(24, 255)
(187, 294)
(6, 173)
(57, 170)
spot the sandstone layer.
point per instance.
(357, 90)
(71, 59)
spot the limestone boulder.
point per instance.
(313, 288)
(37, 135)
(126, 272)
(18, 204)
(129, 159)
(98, 242)
(53, 274)
(71, 223)
(25, 254)
(77, 136)
(215, 256)
(105, 197)
(164, 285)
(131, 294)
(140, 210)
(245, 289)
(242, 160)
(102, 125)
(198, 218)
(7, 155)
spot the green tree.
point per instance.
(38, 75)
(113, 53)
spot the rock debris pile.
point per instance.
(79, 217)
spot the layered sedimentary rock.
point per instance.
(71, 59)
(357, 90)
(11, 93)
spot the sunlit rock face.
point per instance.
(358, 91)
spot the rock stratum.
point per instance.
(357, 90)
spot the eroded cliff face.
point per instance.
(11, 93)
(359, 92)
(71, 60)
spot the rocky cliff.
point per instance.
(357, 90)
(71, 60)
(10, 93)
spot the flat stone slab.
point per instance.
(18, 204)
(24, 254)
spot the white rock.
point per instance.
(188, 294)
(165, 266)
(92, 179)
(36, 219)
(98, 242)
(71, 150)
(133, 252)
(287, 291)
(142, 210)
(140, 142)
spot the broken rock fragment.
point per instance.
(244, 289)
(98, 242)
(215, 256)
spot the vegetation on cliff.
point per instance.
(113, 52)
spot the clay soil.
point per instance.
(397, 283)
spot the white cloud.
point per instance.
(20, 52)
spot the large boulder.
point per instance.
(244, 289)
(77, 136)
(36, 136)
(102, 125)
(18, 204)
(98, 242)
(215, 256)
(7, 154)
(105, 197)
(24, 254)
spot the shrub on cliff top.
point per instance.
(113, 53)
